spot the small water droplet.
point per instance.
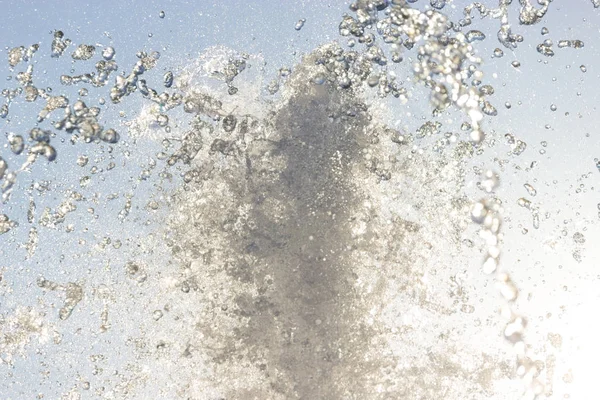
(300, 24)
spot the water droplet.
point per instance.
(17, 144)
(514, 329)
(438, 4)
(507, 288)
(300, 24)
(536, 220)
(478, 212)
(578, 238)
(108, 53)
(530, 189)
(83, 52)
(490, 264)
(474, 35)
(109, 135)
(490, 181)
(523, 202)
(489, 109)
(477, 135)
(168, 79)
(82, 161)
(157, 314)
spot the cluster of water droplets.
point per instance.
(81, 121)
(446, 63)
(546, 47)
(488, 214)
